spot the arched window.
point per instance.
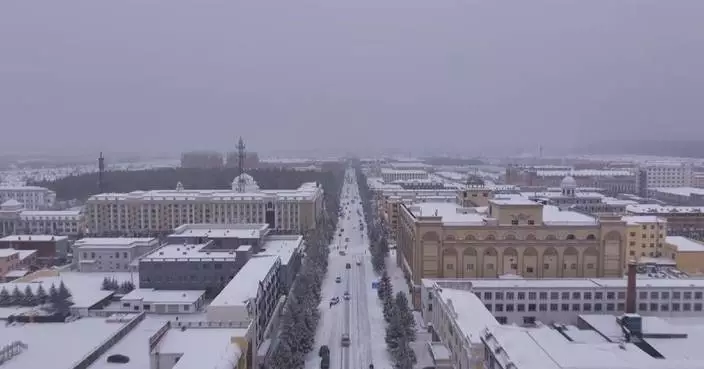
(570, 237)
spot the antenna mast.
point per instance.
(241, 183)
(101, 170)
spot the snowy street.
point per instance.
(361, 316)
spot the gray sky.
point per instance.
(170, 75)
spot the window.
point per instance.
(186, 307)
(514, 222)
(499, 307)
(587, 307)
(470, 266)
(501, 319)
(529, 320)
(676, 295)
(610, 307)
(553, 307)
(575, 307)
(509, 308)
(147, 307)
(565, 307)
(529, 269)
(698, 307)
(510, 296)
(621, 295)
(598, 295)
(643, 306)
(521, 295)
(687, 295)
(554, 295)
(576, 295)
(620, 307)
(587, 295)
(697, 295)
(532, 295)
(531, 222)
(653, 307)
(126, 304)
(642, 295)
(565, 295)
(499, 295)
(487, 295)
(543, 295)
(542, 307)
(675, 306)
(521, 307)
(653, 295)
(531, 307)
(665, 295)
(449, 267)
(598, 307)
(687, 306)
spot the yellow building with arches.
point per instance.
(509, 236)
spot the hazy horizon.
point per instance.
(471, 77)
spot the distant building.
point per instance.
(15, 219)
(681, 196)
(201, 159)
(613, 181)
(688, 254)
(31, 197)
(144, 212)
(251, 160)
(645, 235)
(667, 174)
(110, 254)
(13, 260)
(49, 248)
(687, 221)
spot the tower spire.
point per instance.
(241, 183)
(101, 170)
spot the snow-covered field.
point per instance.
(361, 317)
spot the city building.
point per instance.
(201, 159)
(111, 254)
(682, 196)
(191, 267)
(50, 249)
(667, 174)
(465, 315)
(688, 254)
(15, 219)
(251, 160)
(511, 235)
(253, 294)
(613, 181)
(687, 221)
(645, 235)
(31, 197)
(163, 210)
(154, 301)
(12, 260)
(390, 175)
(570, 197)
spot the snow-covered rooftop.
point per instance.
(564, 283)
(684, 244)
(552, 215)
(245, 284)
(451, 213)
(135, 345)
(660, 209)
(33, 238)
(188, 251)
(56, 345)
(150, 295)
(211, 348)
(680, 191)
(643, 219)
(472, 316)
(113, 242)
(221, 230)
(282, 246)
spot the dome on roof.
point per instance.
(250, 185)
(11, 204)
(568, 182)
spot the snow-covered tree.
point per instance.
(394, 332)
(16, 298)
(405, 315)
(29, 298)
(5, 297)
(403, 355)
(282, 356)
(63, 292)
(126, 287)
(388, 307)
(42, 297)
(384, 289)
(106, 284)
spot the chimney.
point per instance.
(631, 288)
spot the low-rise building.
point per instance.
(687, 221)
(150, 300)
(12, 260)
(110, 254)
(16, 219)
(681, 196)
(50, 249)
(31, 197)
(688, 254)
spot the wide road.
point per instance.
(351, 316)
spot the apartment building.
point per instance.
(163, 210)
(687, 221)
(11, 259)
(15, 219)
(645, 235)
(687, 254)
(667, 174)
(111, 254)
(31, 197)
(390, 175)
(682, 196)
(511, 235)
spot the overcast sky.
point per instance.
(457, 75)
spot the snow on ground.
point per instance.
(398, 281)
(361, 317)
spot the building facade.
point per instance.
(50, 249)
(687, 221)
(15, 219)
(146, 212)
(111, 254)
(31, 197)
(645, 236)
(509, 236)
(613, 181)
(667, 174)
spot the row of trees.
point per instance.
(58, 298)
(400, 327)
(111, 284)
(301, 315)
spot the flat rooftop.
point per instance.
(684, 244)
(134, 345)
(472, 315)
(282, 246)
(221, 230)
(451, 213)
(33, 238)
(211, 348)
(56, 345)
(680, 191)
(111, 242)
(85, 287)
(660, 209)
(245, 284)
(643, 219)
(164, 296)
(564, 283)
(187, 251)
(552, 215)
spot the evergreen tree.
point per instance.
(5, 297)
(282, 356)
(53, 293)
(42, 297)
(107, 284)
(16, 298)
(403, 355)
(394, 332)
(63, 293)
(405, 315)
(29, 298)
(389, 307)
(126, 287)
(385, 289)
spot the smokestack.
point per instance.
(631, 288)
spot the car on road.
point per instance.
(347, 239)
(345, 340)
(348, 266)
(346, 296)
(359, 262)
(343, 253)
(338, 280)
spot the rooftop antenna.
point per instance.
(240, 165)
(101, 170)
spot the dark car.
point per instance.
(324, 351)
(348, 266)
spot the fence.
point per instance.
(206, 324)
